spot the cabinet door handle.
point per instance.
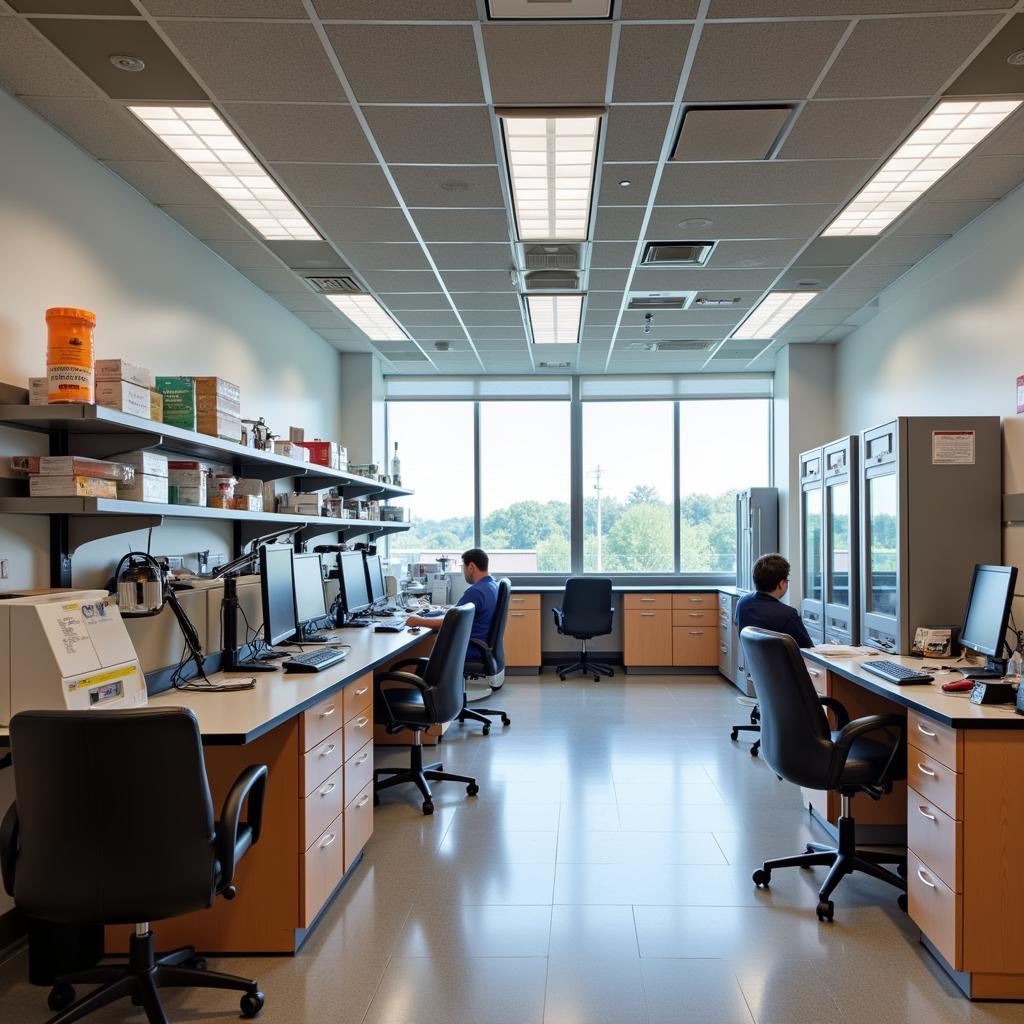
(363, 802)
(924, 770)
(362, 760)
(362, 691)
(813, 673)
(647, 615)
(327, 751)
(724, 649)
(517, 615)
(328, 839)
(696, 632)
(329, 788)
(362, 721)
(925, 814)
(695, 615)
(328, 711)
(924, 732)
(924, 878)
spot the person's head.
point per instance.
(771, 575)
(474, 564)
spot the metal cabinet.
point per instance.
(757, 530)
(840, 535)
(811, 544)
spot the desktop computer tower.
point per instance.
(930, 510)
(757, 530)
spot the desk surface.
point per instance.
(953, 709)
(632, 588)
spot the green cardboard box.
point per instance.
(179, 395)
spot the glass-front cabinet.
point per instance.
(881, 537)
(812, 575)
(839, 539)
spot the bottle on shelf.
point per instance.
(396, 468)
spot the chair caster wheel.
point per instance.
(597, 679)
(472, 789)
(60, 997)
(197, 963)
(251, 1003)
(505, 720)
(761, 878)
(901, 870)
(734, 735)
(754, 750)
(825, 910)
(487, 730)
(902, 902)
(428, 807)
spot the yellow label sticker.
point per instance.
(101, 677)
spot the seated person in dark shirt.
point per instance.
(764, 608)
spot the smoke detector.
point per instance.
(127, 62)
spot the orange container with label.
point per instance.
(70, 356)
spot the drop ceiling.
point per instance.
(744, 122)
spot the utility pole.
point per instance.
(597, 491)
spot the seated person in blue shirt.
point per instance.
(764, 608)
(482, 594)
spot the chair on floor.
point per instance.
(113, 823)
(586, 612)
(863, 756)
(486, 660)
(754, 727)
(431, 695)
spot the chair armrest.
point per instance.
(486, 657)
(420, 663)
(557, 613)
(400, 677)
(9, 847)
(842, 715)
(872, 723)
(250, 787)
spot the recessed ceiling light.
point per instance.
(625, 183)
(555, 319)
(772, 313)
(696, 222)
(808, 282)
(369, 316)
(526, 10)
(199, 137)
(1016, 58)
(551, 166)
(937, 145)
(126, 62)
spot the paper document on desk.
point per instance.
(839, 651)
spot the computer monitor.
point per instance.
(277, 587)
(375, 578)
(310, 603)
(988, 610)
(355, 595)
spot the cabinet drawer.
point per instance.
(522, 638)
(358, 732)
(695, 617)
(321, 869)
(631, 602)
(358, 771)
(321, 720)
(357, 697)
(936, 838)
(707, 599)
(939, 741)
(531, 601)
(647, 637)
(935, 782)
(819, 678)
(694, 645)
(935, 909)
(323, 760)
(321, 807)
(358, 824)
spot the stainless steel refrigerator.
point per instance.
(757, 530)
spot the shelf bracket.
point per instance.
(102, 446)
(267, 472)
(249, 531)
(83, 529)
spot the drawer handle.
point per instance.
(696, 632)
(696, 600)
(924, 770)
(329, 788)
(925, 814)
(813, 673)
(327, 712)
(362, 691)
(724, 649)
(924, 878)
(924, 732)
(327, 751)
(328, 839)
(517, 615)
(363, 802)
(695, 615)
(362, 721)
(362, 760)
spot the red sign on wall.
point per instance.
(1020, 393)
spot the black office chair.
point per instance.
(113, 824)
(586, 612)
(798, 745)
(432, 695)
(489, 661)
(754, 727)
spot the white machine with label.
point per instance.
(66, 651)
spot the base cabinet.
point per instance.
(522, 631)
(666, 629)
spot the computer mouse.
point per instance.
(415, 629)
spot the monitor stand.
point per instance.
(995, 668)
(230, 660)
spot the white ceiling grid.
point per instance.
(376, 117)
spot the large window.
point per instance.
(524, 486)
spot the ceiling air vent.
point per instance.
(707, 302)
(551, 281)
(659, 300)
(677, 254)
(683, 346)
(551, 257)
(336, 284)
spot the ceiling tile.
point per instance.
(299, 69)
(565, 62)
(608, 280)
(401, 281)
(99, 126)
(640, 177)
(245, 255)
(684, 317)
(80, 7)
(838, 129)
(729, 133)
(462, 225)
(902, 249)
(468, 302)
(940, 218)
(751, 254)
(763, 61)
(904, 57)
(989, 74)
(449, 186)
(597, 334)
(657, 9)
(365, 256)
(701, 278)
(422, 300)
(814, 316)
(650, 60)
(455, 335)
(601, 317)
(508, 332)
(985, 177)
(396, 10)
(305, 255)
(667, 332)
(809, 181)
(433, 135)
(835, 251)
(418, 64)
(336, 184)
(163, 182)
(209, 224)
(367, 224)
(794, 221)
(618, 222)
(492, 317)
(470, 256)
(847, 299)
(605, 255)
(477, 280)
(1007, 139)
(635, 132)
(812, 8)
(301, 302)
(313, 132)
(430, 318)
(31, 66)
(806, 276)
(273, 281)
(324, 319)
(875, 278)
(270, 9)
(599, 299)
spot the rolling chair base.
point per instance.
(483, 715)
(755, 726)
(421, 775)
(841, 861)
(141, 979)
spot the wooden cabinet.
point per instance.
(647, 636)
(695, 645)
(661, 629)
(522, 637)
(691, 600)
(322, 867)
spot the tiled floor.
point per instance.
(602, 876)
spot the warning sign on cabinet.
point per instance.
(952, 447)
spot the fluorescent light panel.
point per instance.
(937, 145)
(551, 164)
(201, 138)
(369, 316)
(555, 319)
(772, 313)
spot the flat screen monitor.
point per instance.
(310, 603)
(988, 609)
(277, 586)
(375, 578)
(355, 595)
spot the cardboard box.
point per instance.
(219, 424)
(180, 495)
(119, 394)
(219, 388)
(247, 502)
(68, 465)
(150, 463)
(296, 434)
(179, 396)
(187, 477)
(326, 453)
(71, 487)
(145, 488)
(156, 406)
(207, 404)
(121, 369)
(219, 501)
(290, 450)
(300, 504)
(38, 391)
(247, 487)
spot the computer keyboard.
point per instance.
(390, 626)
(893, 672)
(314, 661)
(431, 613)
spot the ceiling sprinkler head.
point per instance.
(126, 62)
(648, 322)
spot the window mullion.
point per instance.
(676, 475)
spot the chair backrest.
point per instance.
(115, 819)
(443, 673)
(795, 739)
(496, 637)
(587, 606)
